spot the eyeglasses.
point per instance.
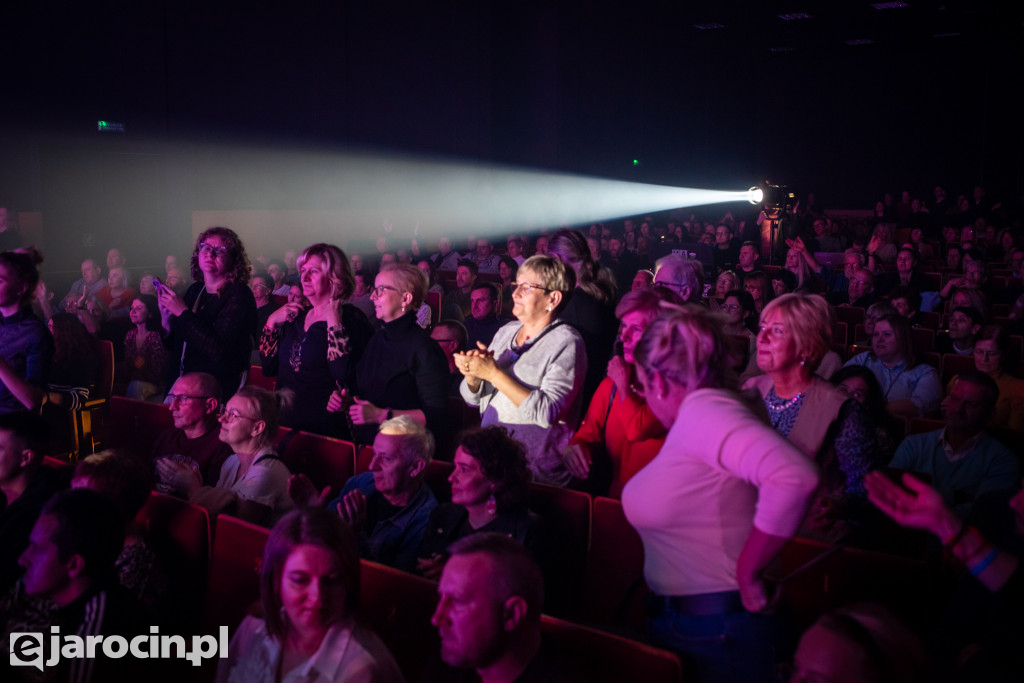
(215, 252)
(380, 289)
(173, 398)
(526, 287)
(446, 341)
(232, 415)
(731, 307)
(986, 354)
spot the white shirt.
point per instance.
(349, 653)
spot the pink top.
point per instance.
(720, 471)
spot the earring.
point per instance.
(492, 506)
(549, 309)
(803, 362)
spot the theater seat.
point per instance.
(566, 515)
(398, 607)
(179, 534)
(135, 425)
(256, 378)
(234, 572)
(326, 461)
(832, 576)
(607, 658)
(613, 582)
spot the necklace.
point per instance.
(775, 403)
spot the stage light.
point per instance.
(755, 195)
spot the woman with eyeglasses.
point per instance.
(823, 422)
(402, 371)
(530, 379)
(210, 328)
(253, 481)
(313, 350)
(992, 356)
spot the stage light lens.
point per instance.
(755, 195)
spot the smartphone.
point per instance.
(158, 286)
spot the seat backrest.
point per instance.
(179, 534)
(850, 315)
(135, 425)
(105, 381)
(234, 572)
(438, 472)
(613, 582)
(434, 301)
(607, 658)
(566, 515)
(954, 364)
(326, 461)
(832, 577)
(256, 378)
(398, 607)
(363, 458)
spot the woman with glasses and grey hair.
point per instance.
(530, 379)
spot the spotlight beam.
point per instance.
(441, 196)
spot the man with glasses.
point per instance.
(262, 287)
(193, 441)
(861, 291)
(683, 276)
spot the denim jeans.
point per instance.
(719, 647)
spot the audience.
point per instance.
(210, 328)
(253, 481)
(619, 434)
(821, 421)
(402, 372)
(309, 588)
(490, 486)
(537, 398)
(25, 486)
(26, 347)
(315, 351)
(910, 389)
(387, 507)
(70, 561)
(961, 460)
(90, 283)
(590, 307)
(992, 356)
(714, 506)
(530, 378)
(488, 614)
(145, 357)
(457, 304)
(125, 481)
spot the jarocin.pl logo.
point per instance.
(27, 648)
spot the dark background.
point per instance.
(580, 87)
